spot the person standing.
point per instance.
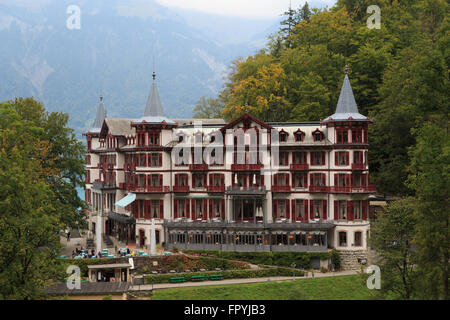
(312, 272)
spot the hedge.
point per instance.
(285, 259)
(227, 274)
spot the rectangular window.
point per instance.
(357, 180)
(154, 159)
(342, 136)
(181, 208)
(155, 209)
(198, 180)
(318, 180)
(299, 180)
(141, 180)
(342, 180)
(299, 209)
(342, 210)
(299, 158)
(358, 157)
(317, 209)
(282, 209)
(182, 180)
(199, 210)
(357, 136)
(342, 160)
(283, 158)
(358, 239)
(216, 207)
(343, 239)
(154, 181)
(318, 158)
(357, 212)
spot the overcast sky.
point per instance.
(245, 8)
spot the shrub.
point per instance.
(228, 274)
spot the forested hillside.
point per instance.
(399, 74)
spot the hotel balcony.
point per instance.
(99, 185)
(362, 189)
(299, 167)
(253, 190)
(181, 189)
(198, 167)
(214, 189)
(319, 189)
(281, 188)
(246, 167)
(359, 166)
(148, 189)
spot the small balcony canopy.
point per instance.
(128, 199)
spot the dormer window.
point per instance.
(153, 139)
(318, 135)
(299, 135)
(283, 136)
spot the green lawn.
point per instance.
(338, 288)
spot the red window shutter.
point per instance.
(304, 157)
(222, 179)
(188, 208)
(210, 180)
(136, 159)
(232, 180)
(311, 179)
(261, 179)
(323, 158)
(160, 180)
(336, 216)
(364, 209)
(286, 158)
(311, 158)
(366, 158)
(135, 179)
(161, 208)
(149, 180)
(205, 208)
(244, 178)
(335, 179)
(149, 160)
(274, 208)
(204, 180)
(293, 180)
(350, 210)
(305, 180)
(210, 208)
(287, 209)
(286, 176)
(364, 179)
(305, 202)
(223, 208)
(177, 179)
(275, 179)
(353, 180)
(311, 209)
(323, 179)
(146, 209)
(324, 210)
(364, 133)
(336, 156)
(160, 159)
(293, 209)
(193, 180)
(175, 208)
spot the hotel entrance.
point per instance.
(248, 209)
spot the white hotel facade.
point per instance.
(314, 199)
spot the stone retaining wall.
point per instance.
(349, 259)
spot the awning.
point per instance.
(129, 198)
(121, 218)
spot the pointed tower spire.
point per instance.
(346, 106)
(153, 107)
(99, 117)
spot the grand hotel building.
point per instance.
(315, 198)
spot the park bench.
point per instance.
(177, 279)
(198, 278)
(216, 277)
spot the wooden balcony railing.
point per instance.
(148, 189)
(211, 189)
(319, 189)
(246, 167)
(281, 188)
(182, 189)
(198, 167)
(359, 166)
(299, 167)
(353, 189)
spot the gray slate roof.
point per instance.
(120, 126)
(153, 110)
(90, 288)
(346, 106)
(99, 117)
